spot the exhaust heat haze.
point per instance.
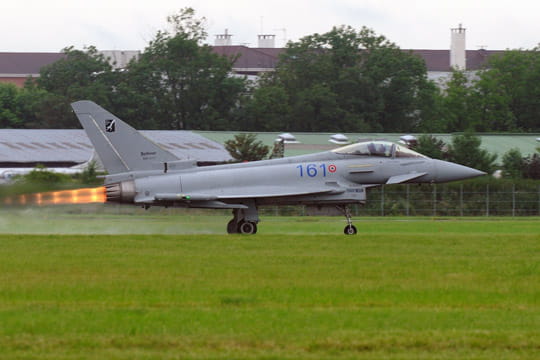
(63, 197)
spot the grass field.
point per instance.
(175, 287)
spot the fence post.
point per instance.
(487, 200)
(434, 200)
(461, 199)
(513, 199)
(407, 202)
(382, 200)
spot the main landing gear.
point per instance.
(244, 221)
(350, 229)
(242, 227)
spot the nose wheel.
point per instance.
(350, 229)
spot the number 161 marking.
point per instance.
(313, 170)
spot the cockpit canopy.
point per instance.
(378, 148)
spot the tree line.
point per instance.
(345, 80)
(465, 149)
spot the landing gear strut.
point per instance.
(350, 229)
(244, 221)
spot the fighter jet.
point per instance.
(142, 173)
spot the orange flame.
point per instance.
(77, 196)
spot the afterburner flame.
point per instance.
(63, 197)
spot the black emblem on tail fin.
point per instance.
(110, 125)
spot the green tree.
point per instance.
(79, 75)
(491, 104)
(186, 23)
(178, 83)
(38, 180)
(456, 104)
(430, 146)
(9, 117)
(532, 166)
(246, 147)
(267, 110)
(44, 177)
(511, 90)
(89, 175)
(513, 164)
(353, 80)
(433, 113)
(466, 150)
(30, 100)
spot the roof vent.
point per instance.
(287, 138)
(409, 140)
(339, 139)
(267, 41)
(223, 39)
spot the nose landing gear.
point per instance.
(350, 229)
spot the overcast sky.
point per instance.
(50, 25)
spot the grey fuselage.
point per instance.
(321, 178)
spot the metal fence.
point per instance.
(467, 199)
(445, 200)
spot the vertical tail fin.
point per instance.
(120, 147)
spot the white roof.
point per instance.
(339, 139)
(30, 146)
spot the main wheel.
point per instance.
(232, 227)
(350, 230)
(247, 227)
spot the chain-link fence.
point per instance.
(452, 200)
(466, 199)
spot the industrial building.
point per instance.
(17, 67)
(439, 63)
(65, 148)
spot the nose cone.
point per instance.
(448, 171)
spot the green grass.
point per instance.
(400, 289)
(94, 220)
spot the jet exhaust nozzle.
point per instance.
(122, 192)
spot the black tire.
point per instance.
(232, 227)
(350, 230)
(247, 228)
